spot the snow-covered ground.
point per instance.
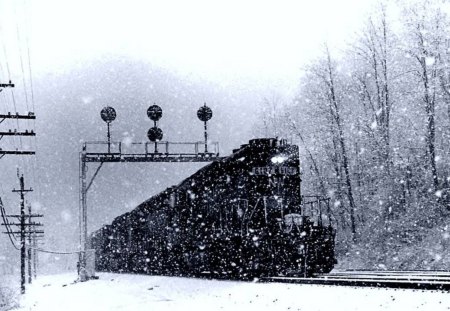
(143, 292)
(9, 291)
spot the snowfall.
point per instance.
(145, 292)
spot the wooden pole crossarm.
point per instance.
(15, 133)
(28, 232)
(18, 224)
(9, 84)
(17, 152)
(33, 215)
(30, 116)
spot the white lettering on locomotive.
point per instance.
(274, 170)
(277, 182)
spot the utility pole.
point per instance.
(30, 232)
(22, 217)
(35, 254)
(29, 244)
(22, 192)
(33, 240)
(3, 117)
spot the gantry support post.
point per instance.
(206, 137)
(109, 137)
(83, 217)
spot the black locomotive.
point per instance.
(242, 216)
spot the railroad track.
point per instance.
(426, 280)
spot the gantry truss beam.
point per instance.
(151, 157)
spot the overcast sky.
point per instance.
(85, 54)
(263, 41)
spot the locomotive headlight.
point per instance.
(278, 159)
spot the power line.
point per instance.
(21, 34)
(24, 162)
(27, 40)
(8, 229)
(26, 30)
(21, 58)
(5, 54)
(11, 235)
(56, 252)
(35, 159)
(7, 224)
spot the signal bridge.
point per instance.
(141, 152)
(117, 152)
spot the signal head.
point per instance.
(108, 114)
(154, 112)
(155, 134)
(204, 113)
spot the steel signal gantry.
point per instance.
(169, 153)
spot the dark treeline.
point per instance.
(373, 125)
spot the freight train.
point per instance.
(239, 217)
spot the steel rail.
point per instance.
(406, 281)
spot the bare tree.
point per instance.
(374, 51)
(325, 72)
(426, 25)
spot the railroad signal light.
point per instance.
(204, 113)
(108, 114)
(155, 134)
(154, 112)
